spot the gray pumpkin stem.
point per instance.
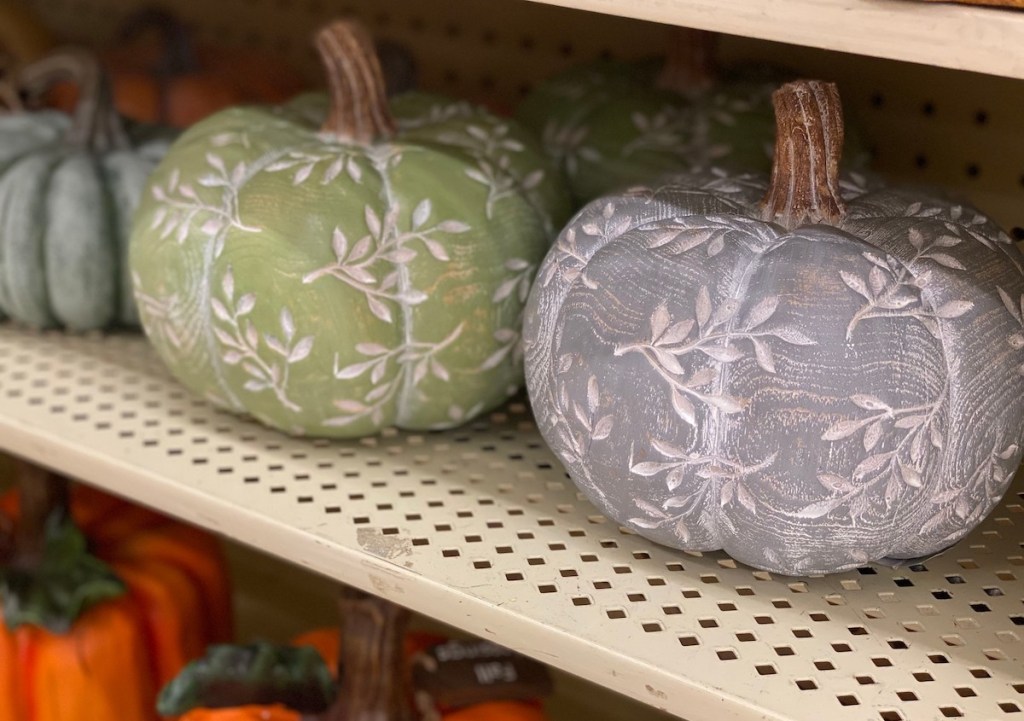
(95, 122)
(690, 63)
(372, 668)
(359, 106)
(804, 185)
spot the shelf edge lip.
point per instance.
(888, 29)
(663, 690)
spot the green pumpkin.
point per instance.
(333, 277)
(68, 189)
(611, 125)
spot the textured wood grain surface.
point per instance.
(992, 3)
(807, 400)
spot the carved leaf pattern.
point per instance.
(266, 357)
(684, 486)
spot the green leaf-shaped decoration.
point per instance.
(258, 673)
(62, 586)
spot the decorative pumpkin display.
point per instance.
(105, 604)
(612, 124)
(806, 373)
(267, 682)
(160, 75)
(335, 280)
(68, 189)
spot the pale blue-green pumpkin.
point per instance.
(68, 189)
(339, 265)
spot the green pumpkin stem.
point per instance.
(359, 110)
(95, 123)
(690, 63)
(260, 673)
(48, 578)
(804, 185)
(372, 668)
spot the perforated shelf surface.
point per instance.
(481, 529)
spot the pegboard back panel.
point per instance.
(956, 129)
(480, 528)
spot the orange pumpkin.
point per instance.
(116, 654)
(244, 713)
(327, 643)
(160, 76)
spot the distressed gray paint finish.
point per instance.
(807, 401)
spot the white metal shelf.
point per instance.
(480, 528)
(982, 39)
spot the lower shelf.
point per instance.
(480, 529)
(277, 601)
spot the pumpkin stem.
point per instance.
(359, 107)
(371, 666)
(50, 578)
(95, 124)
(43, 499)
(804, 185)
(690, 61)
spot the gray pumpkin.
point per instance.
(813, 381)
(68, 189)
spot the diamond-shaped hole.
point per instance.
(951, 712)
(766, 669)
(965, 692)
(806, 684)
(824, 666)
(848, 700)
(727, 655)
(1009, 707)
(689, 641)
(906, 696)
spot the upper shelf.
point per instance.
(985, 40)
(480, 528)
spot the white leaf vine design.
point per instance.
(890, 290)
(182, 204)
(357, 264)
(243, 344)
(407, 364)
(708, 334)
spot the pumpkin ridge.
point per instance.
(23, 228)
(210, 254)
(720, 425)
(81, 288)
(403, 397)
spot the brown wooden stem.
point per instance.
(804, 185)
(96, 124)
(690, 64)
(41, 494)
(359, 106)
(372, 669)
